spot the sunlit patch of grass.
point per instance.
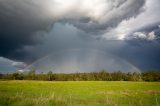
(79, 93)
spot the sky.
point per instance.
(79, 35)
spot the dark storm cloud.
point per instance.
(20, 19)
(33, 29)
(150, 28)
(143, 54)
(18, 23)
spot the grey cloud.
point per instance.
(30, 30)
(152, 28)
(118, 11)
(81, 60)
(19, 20)
(19, 65)
(147, 32)
(147, 19)
(7, 65)
(141, 54)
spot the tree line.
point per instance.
(92, 76)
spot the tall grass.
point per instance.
(79, 93)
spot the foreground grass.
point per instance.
(79, 93)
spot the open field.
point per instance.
(79, 93)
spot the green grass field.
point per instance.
(79, 93)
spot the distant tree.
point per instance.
(117, 76)
(136, 76)
(93, 76)
(15, 76)
(104, 76)
(32, 74)
(1, 75)
(49, 74)
(151, 76)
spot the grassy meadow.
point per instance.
(79, 93)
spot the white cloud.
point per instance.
(126, 28)
(18, 64)
(7, 65)
(143, 35)
(151, 36)
(20, 71)
(107, 14)
(98, 10)
(121, 16)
